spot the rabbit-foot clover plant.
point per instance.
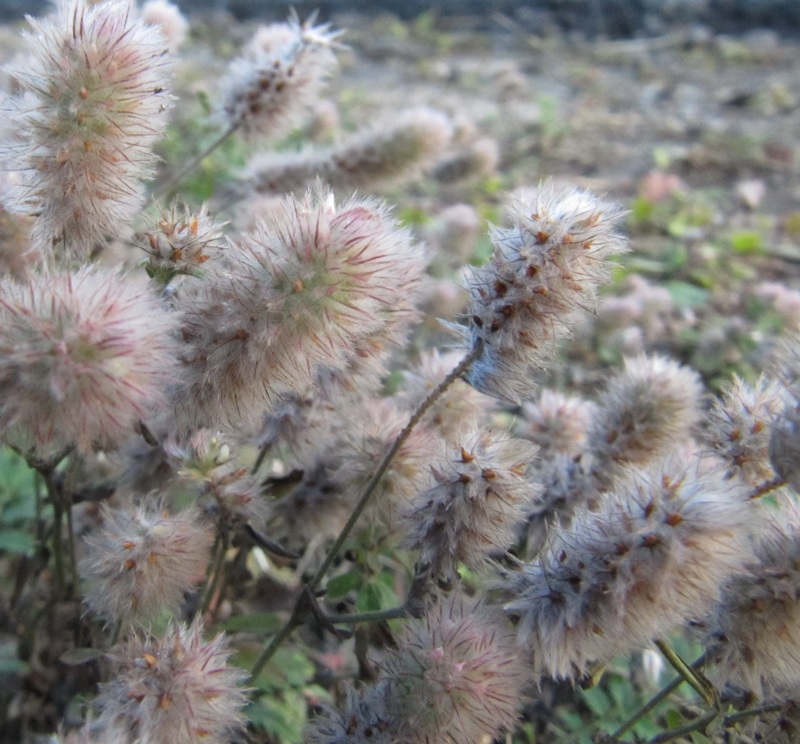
(272, 501)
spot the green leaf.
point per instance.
(747, 241)
(376, 595)
(285, 718)
(257, 622)
(687, 295)
(597, 701)
(16, 541)
(339, 586)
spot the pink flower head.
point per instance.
(85, 355)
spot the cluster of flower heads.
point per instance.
(289, 328)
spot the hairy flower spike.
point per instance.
(143, 561)
(646, 411)
(177, 688)
(85, 355)
(557, 423)
(278, 77)
(365, 717)
(740, 424)
(481, 497)
(302, 295)
(381, 154)
(457, 676)
(653, 556)
(95, 103)
(755, 639)
(544, 268)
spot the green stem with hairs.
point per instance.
(181, 173)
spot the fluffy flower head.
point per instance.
(654, 555)
(278, 77)
(95, 105)
(85, 355)
(177, 688)
(544, 268)
(305, 293)
(457, 676)
(143, 561)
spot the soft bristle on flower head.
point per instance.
(96, 99)
(177, 688)
(754, 640)
(481, 496)
(457, 675)
(740, 425)
(278, 77)
(646, 411)
(654, 555)
(143, 561)
(302, 294)
(544, 268)
(85, 355)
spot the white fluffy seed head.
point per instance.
(85, 356)
(646, 411)
(544, 268)
(654, 555)
(754, 639)
(167, 17)
(480, 497)
(740, 425)
(385, 152)
(557, 423)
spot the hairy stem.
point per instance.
(165, 186)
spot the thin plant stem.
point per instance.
(767, 487)
(217, 569)
(696, 725)
(369, 490)
(392, 613)
(694, 677)
(66, 494)
(271, 648)
(661, 695)
(181, 173)
(740, 715)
